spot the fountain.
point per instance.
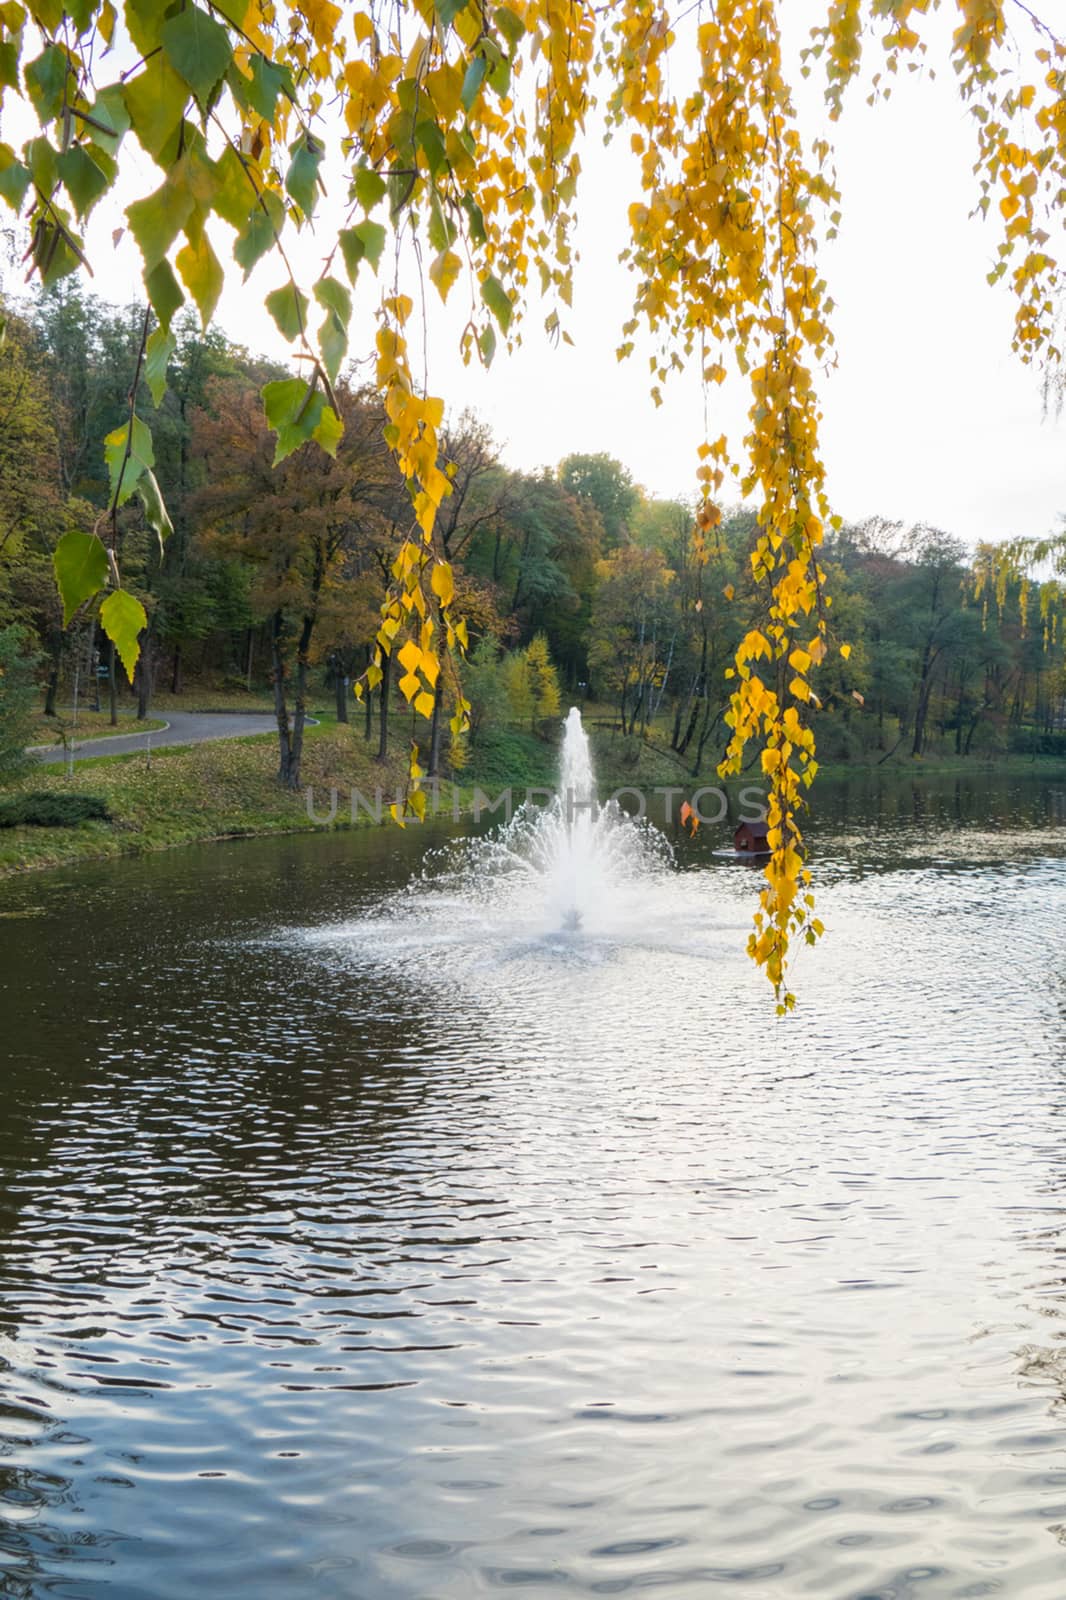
(571, 866)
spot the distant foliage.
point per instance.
(18, 698)
(532, 684)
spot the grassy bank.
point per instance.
(220, 789)
(90, 725)
(229, 788)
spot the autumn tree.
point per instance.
(608, 485)
(631, 620)
(305, 527)
(532, 683)
(17, 695)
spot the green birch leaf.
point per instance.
(448, 10)
(14, 181)
(301, 180)
(41, 160)
(154, 509)
(510, 25)
(155, 101)
(368, 187)
(161, 346)
(265, 222)
(428, 135)
(475, 219)
(268, 80)
(9, 63)
(86, 177)
(234, 197)
(108, 111)
(199, 49)
(81, 568)
(329, 430)
(288, 306)
(298, 413)
(371, 236)
(123, 617)
(164, 292)
(472, 81)
(201, 274)
(45, 78)
(156, 221)
(333, 343)
(143, 19)
(335, 297)
(141, 458)
(496, 298)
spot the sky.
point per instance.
(928, 416)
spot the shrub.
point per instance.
(48, 809)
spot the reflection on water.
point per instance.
(367, 1240)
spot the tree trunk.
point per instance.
(281, 710)
(709, 725)
(144, 681)
(53, 684)
(175, 674)
(368, 705)
(340, 686)
(383, 707)
(94, 662)
(112, 684)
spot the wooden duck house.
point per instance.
(750, 838)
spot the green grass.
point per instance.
(90, 725)
(222, 789)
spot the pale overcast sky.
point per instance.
(928, 415)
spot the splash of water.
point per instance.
(571, 866)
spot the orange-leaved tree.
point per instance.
(457, 125)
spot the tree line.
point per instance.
(569, 580)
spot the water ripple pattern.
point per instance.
(386, 1223)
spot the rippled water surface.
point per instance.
(399, 1244)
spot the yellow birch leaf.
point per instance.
(442, 583)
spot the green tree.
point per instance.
(608, 485)
(18, 666)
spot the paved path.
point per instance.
(183, 727)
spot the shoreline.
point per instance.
(219, 792)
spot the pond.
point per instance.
(378, 1244)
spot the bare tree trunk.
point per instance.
(112, 684)
(94, 662)
(53, 683)
(281, 710)
(144, 674)
(340, 686)
(299, 720)
(175, 673)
